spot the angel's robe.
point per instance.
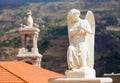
(78, 52)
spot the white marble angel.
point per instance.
(81, 40)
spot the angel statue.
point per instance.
(80, 54)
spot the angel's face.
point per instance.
(77, 13)
(74, 15)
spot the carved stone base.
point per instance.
(84, 72)
(31, 59)
(80, 80)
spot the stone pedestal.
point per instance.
(32, 57)
(80, 80)
(83, 72)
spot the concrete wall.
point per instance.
(115, 77)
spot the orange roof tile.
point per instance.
(8, 77)
(26, 72)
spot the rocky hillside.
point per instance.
(53, 40)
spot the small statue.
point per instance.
(29, 21)
(80, 54)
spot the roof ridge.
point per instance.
(13, 74)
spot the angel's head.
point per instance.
(73, 16)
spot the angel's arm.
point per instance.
(73, 32)
(77, 32)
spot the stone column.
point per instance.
(35, 48)
(23, 37)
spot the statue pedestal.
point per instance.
(82, 75)
(31, 58)
(80, 80)
(84, 72)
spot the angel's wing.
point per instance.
(90, 37)
(91, 20)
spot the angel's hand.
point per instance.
(82, 32)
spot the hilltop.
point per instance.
(16, 3)
(53, 40)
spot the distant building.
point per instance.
(112, 28)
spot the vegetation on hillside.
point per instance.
(53, 40)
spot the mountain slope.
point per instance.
(53, 38)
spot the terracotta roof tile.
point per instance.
(29, 73)
(8, 77)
